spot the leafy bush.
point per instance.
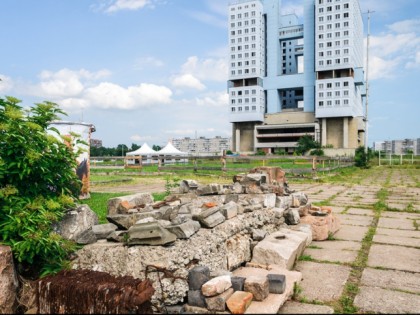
(306, 143)
(361, 158)
(317, 152)
(37, 184)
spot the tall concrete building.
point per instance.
(288, 79)
(202, 145)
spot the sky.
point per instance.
(154, 70)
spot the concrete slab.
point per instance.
(377, 300)
(392, 279)
(403, 224)
(359, 211)
(350, 219)
(322, 282)
(394, 257)
(400, 215)
(397, 240)
(351, 233)
(274, 301)
(395, 232)
(292, 307)
(334, 251)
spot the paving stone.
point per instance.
(394, 223)
(322, 282)
(395, 232)
(359, 211)
(392, 279)
(394, 257)
(378, 300)
(292, 307)
(197, 276)
(350, 219)
(218, 302)
(258, 286)
(400, 215)
(351, 233)
(334, 251)
(397, 240)
(239, 302)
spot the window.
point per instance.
(240, 101)
(232, 17)
(346, 15)
(321, 94)
(232, 56)
(329, 9)
(337, 34)
(232, 24)
(329, 94)
(346, 42)
(337, 61)
(329, 44)
(337, 43)
(321, 86)
(329, 103)
(346, 5)
(233, 93)
(254, 100)
(329, 53)
(232, 41)
(346, 24)
(247, 100)
(239, 109)
(321, 27)
(346, 60)
(329, 85)
(329, 26)
(337, 84)
(239, 56)
(321, 36)
(346, 51)
(329, 17)
(321, 10)
(346, 33)
(346, 102)
(346, 93)
(232, 72)
(321, 45)
(329, 35)
(337, 16)
(233, 109)
(337, 93)
(345, 83)
(321, 54)
(246, 108)
(253, 29)
(233, 101)
(337, 7)
(254, 108)
(321, 103)
(337, 102)
(232, 65)
(239, 16)
(320, 19)
(337, 25)
(239, 64)
(232, 33)
(232, 49)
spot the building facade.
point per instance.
(288, 79)
(406, 146)
(202, 145)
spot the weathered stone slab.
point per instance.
(359, 211)
(322, 282)
(334, 251)
(117, 236)
(230, 210)
(258, 234)
(378, 300)
(299, 199)
(395, 232)
(218, 302)
(258, 286)
(8, 281)
(392, 279)
(149, 234)
(397, 240)
(238, 302)
(351, 219)
(184, 230)
(394, 257)
(274, 301)
(351, 233)
(292, 307)
(238, 250)
(210, 189)
(103, 230)
(269, 200)
(198, 276)
(403, 224)
(135, 200)
(85, 237)
(216, 286)
(212, 220)
(280, 248)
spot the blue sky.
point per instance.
(152, 70)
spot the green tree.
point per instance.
(37, 183)
(134, 147)
(361, 158)
(306, 143)
(156, 147)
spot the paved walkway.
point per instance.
(373, 262)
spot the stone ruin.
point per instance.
(206, 248)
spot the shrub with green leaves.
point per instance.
(37, 184)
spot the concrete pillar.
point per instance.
(324, 132)
(238, 140)
(345, 132)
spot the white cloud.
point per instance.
(406, 26)
(207, 69)
(6, 83)
(216, 99)
(187, 81)
(74, 104)
(127, 5)
(139, 138)
(380, 68)
(110, 95)
(292, 8)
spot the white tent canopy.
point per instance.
(144, 150)
(169, 149)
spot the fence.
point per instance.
(397, 159)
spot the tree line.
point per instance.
(119, 150)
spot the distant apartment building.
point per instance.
(406, 146)
(287, 80)
(202, 145)
(95, 143)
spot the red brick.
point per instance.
(239, 302)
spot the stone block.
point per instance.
(212, 220)
(197, 276)
(230, 210)
(149, 234)
(299, 199)
(238, 251)
(238, 283)
(210, 189)
(184, 230)
(258, 286)
(135, 200)
(291, 216)
(86, 237)
(322, 226)
(237, 188)
(280, 248)
(216, 286)
(276, 283)
(196, 298)
(231, 197)
(239, 302)
(258, 234)
(124, 207)
(117, 236)
(283, 202)
(304, 210)
(218, 303)
(103, 230)
(270, 200)
(186, 185)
